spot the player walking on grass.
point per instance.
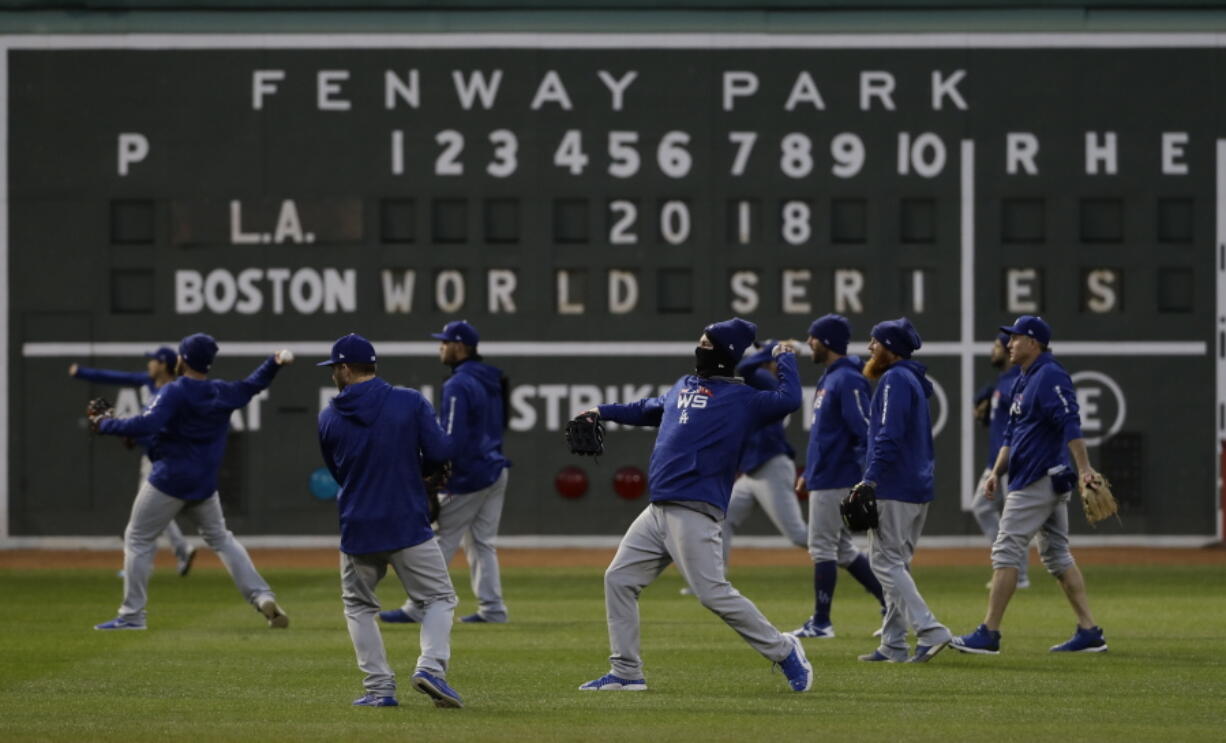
(995, 414)
(703, 420)
(160, 372)
(474, 416)
(900, 467)
(189, 421)
(834, 463)
(766, 464)
(373, 438)
(1044, 428)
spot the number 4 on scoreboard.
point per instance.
(570, 153)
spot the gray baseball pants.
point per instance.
(987, 512)
(1037, 511)
(662, 534)
(471, 519)
(173, 534)
(771, 486)
(151, 512)
(828, 538)
(423, 573)
(891, 547)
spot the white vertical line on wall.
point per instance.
(1219, 334)
(967, 284)
(4, 284)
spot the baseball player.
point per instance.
(474, 416)
(373, 437)
(160, 372)
(766, 463)
(900, 467)
(995, 413)
(1043, 429)
(703, 420)
(188, 421)
(834, 461)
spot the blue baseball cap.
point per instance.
(1030, 325)
(165, 354)
(900, 336)
(459, 331)
(761, 356)
(731, 337)
(834, 331)
(198, 351)
(351, 349)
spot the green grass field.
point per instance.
(208, 669)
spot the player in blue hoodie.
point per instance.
(373, 437)
(900, 465)
(1044, 429)
(835, 461)
(189, 422)
(767, 464)
(473, 412)
(704, 420)
(160, 371)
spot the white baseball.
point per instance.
(285, 356)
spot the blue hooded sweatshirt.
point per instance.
(373, 437)
(189, 421)
(124, 379)
(900, 458)
(839, 427)
(998, 411)
(703, 426)
(770, 440)
(1043, 418)
(473, 415)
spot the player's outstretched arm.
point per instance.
(159, 413)
(785, 398)
(110, 376)
(646, 412)
(238, 394)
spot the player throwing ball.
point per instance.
(371, 435)
(189, 422)
(900, 467)
(1044, 428)
(837, 441)
(703, 420)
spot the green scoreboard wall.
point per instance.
(589, 202)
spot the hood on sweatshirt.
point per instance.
(920, 371)
(362, 402)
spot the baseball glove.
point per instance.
(585, 435)
(96, 410)
(435, 476)
(859, 508)
(1097, 499)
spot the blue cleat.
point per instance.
(796, 667)
(1083, 641)
(437, 689)
(119, 623)
(373, 700)
(925, 653)
(396, 616)
(982, 641)
(478, 619)
(813, 630)
(609, 682)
